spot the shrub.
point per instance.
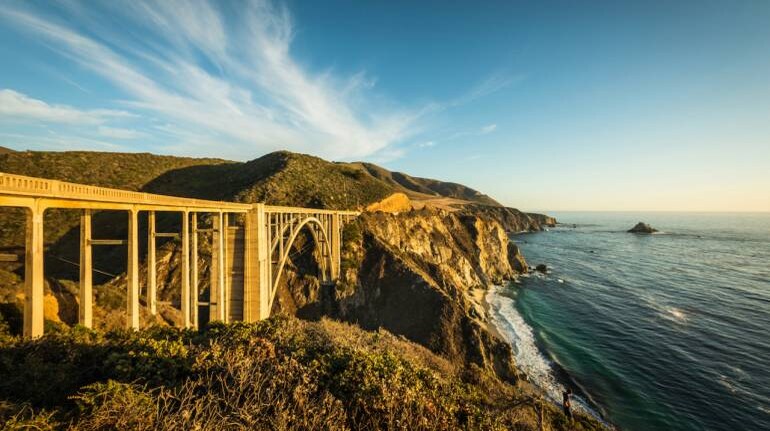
(280, 374)
(114, 405)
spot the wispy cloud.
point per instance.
(492, 84)
(119, 133)
(427, 144)
(18, 106)
(235, 83)
(489, 128)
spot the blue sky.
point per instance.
(543, 105)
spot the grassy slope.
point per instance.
(279, 374)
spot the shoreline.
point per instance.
(584, 404)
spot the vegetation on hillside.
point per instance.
(128, 171)
(279, 374)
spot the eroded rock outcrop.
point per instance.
(513, 220)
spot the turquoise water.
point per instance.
(668, 331)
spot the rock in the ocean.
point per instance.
(541, 268)
(642, 227)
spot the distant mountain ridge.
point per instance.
(4, 150)
(281, 177)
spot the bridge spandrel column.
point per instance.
(85, 310)
(33, 274)
(132, 271)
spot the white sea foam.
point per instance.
(519, 335)
(667, 312)
(529, 359)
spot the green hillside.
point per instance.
(279, 178)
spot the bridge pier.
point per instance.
(185, 270)
(336, 239)
(217, 291)
(152, 276)
(256, 303)
(34, 287)
(194, 270)
(85, 310)
(132, 270)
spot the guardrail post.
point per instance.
(33, 273)
(85, 310)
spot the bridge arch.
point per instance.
(322, 242)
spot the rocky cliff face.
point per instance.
(513, 220)
(423, 275)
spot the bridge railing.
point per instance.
(299, 210)
(39, 187)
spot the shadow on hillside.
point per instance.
(215, 182)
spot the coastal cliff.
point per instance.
(423, 275)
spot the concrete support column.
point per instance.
(336, 245)
(132, 272)
(224, 274)
(152, 276)
(216, 292)
(85, 311)
(251, 272)
(186, 269)
(33, 273)
(194, 269)
(263, 262)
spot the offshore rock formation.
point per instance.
(642, 227)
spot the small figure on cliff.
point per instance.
(567, 403)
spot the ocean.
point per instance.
(669, 331)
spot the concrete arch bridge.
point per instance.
(251, 244)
